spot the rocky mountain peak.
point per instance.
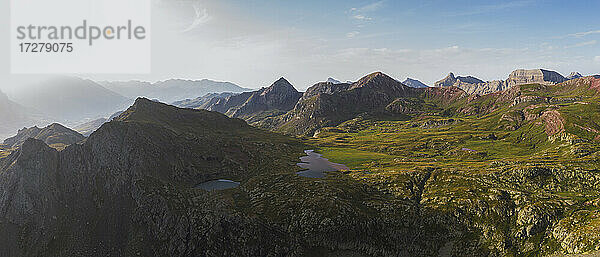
(448, 81)
(281, 86)
(574, 75)
(375, 78)
(333, 81)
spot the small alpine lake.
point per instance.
(316, 165)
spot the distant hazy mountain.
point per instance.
(53, 135)
(473, 85)
(70, 99)
(574, 75)
(202, 102)
(414, 83)
(334, 81)
(89, 127)
(172, 90)
(14, 116)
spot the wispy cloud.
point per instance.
(368, 8)
(201, 17)
(482, 9)
(359, 13)
(352, 34)
(361, 17)
(582, 44)
(586, 33)
(597, 59)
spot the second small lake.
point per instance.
(316, 165)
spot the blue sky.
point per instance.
(308, 41)
(254, 42)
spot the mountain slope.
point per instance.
(132, 185)
(55, 135)
(173, 89)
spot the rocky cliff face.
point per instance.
(54, 134)
(538, 76)
(474, 86)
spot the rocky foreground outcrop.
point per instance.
(129, 190)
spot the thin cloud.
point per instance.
(200, 18)
(352, 34)
(586, 33)
(582, 44)
(358, 13)
(597, 59)
(482, 9)
(368, 8)
(361, 17)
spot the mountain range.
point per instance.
(432, 171)
(70, 99)
(473, 85)
(173, 89)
